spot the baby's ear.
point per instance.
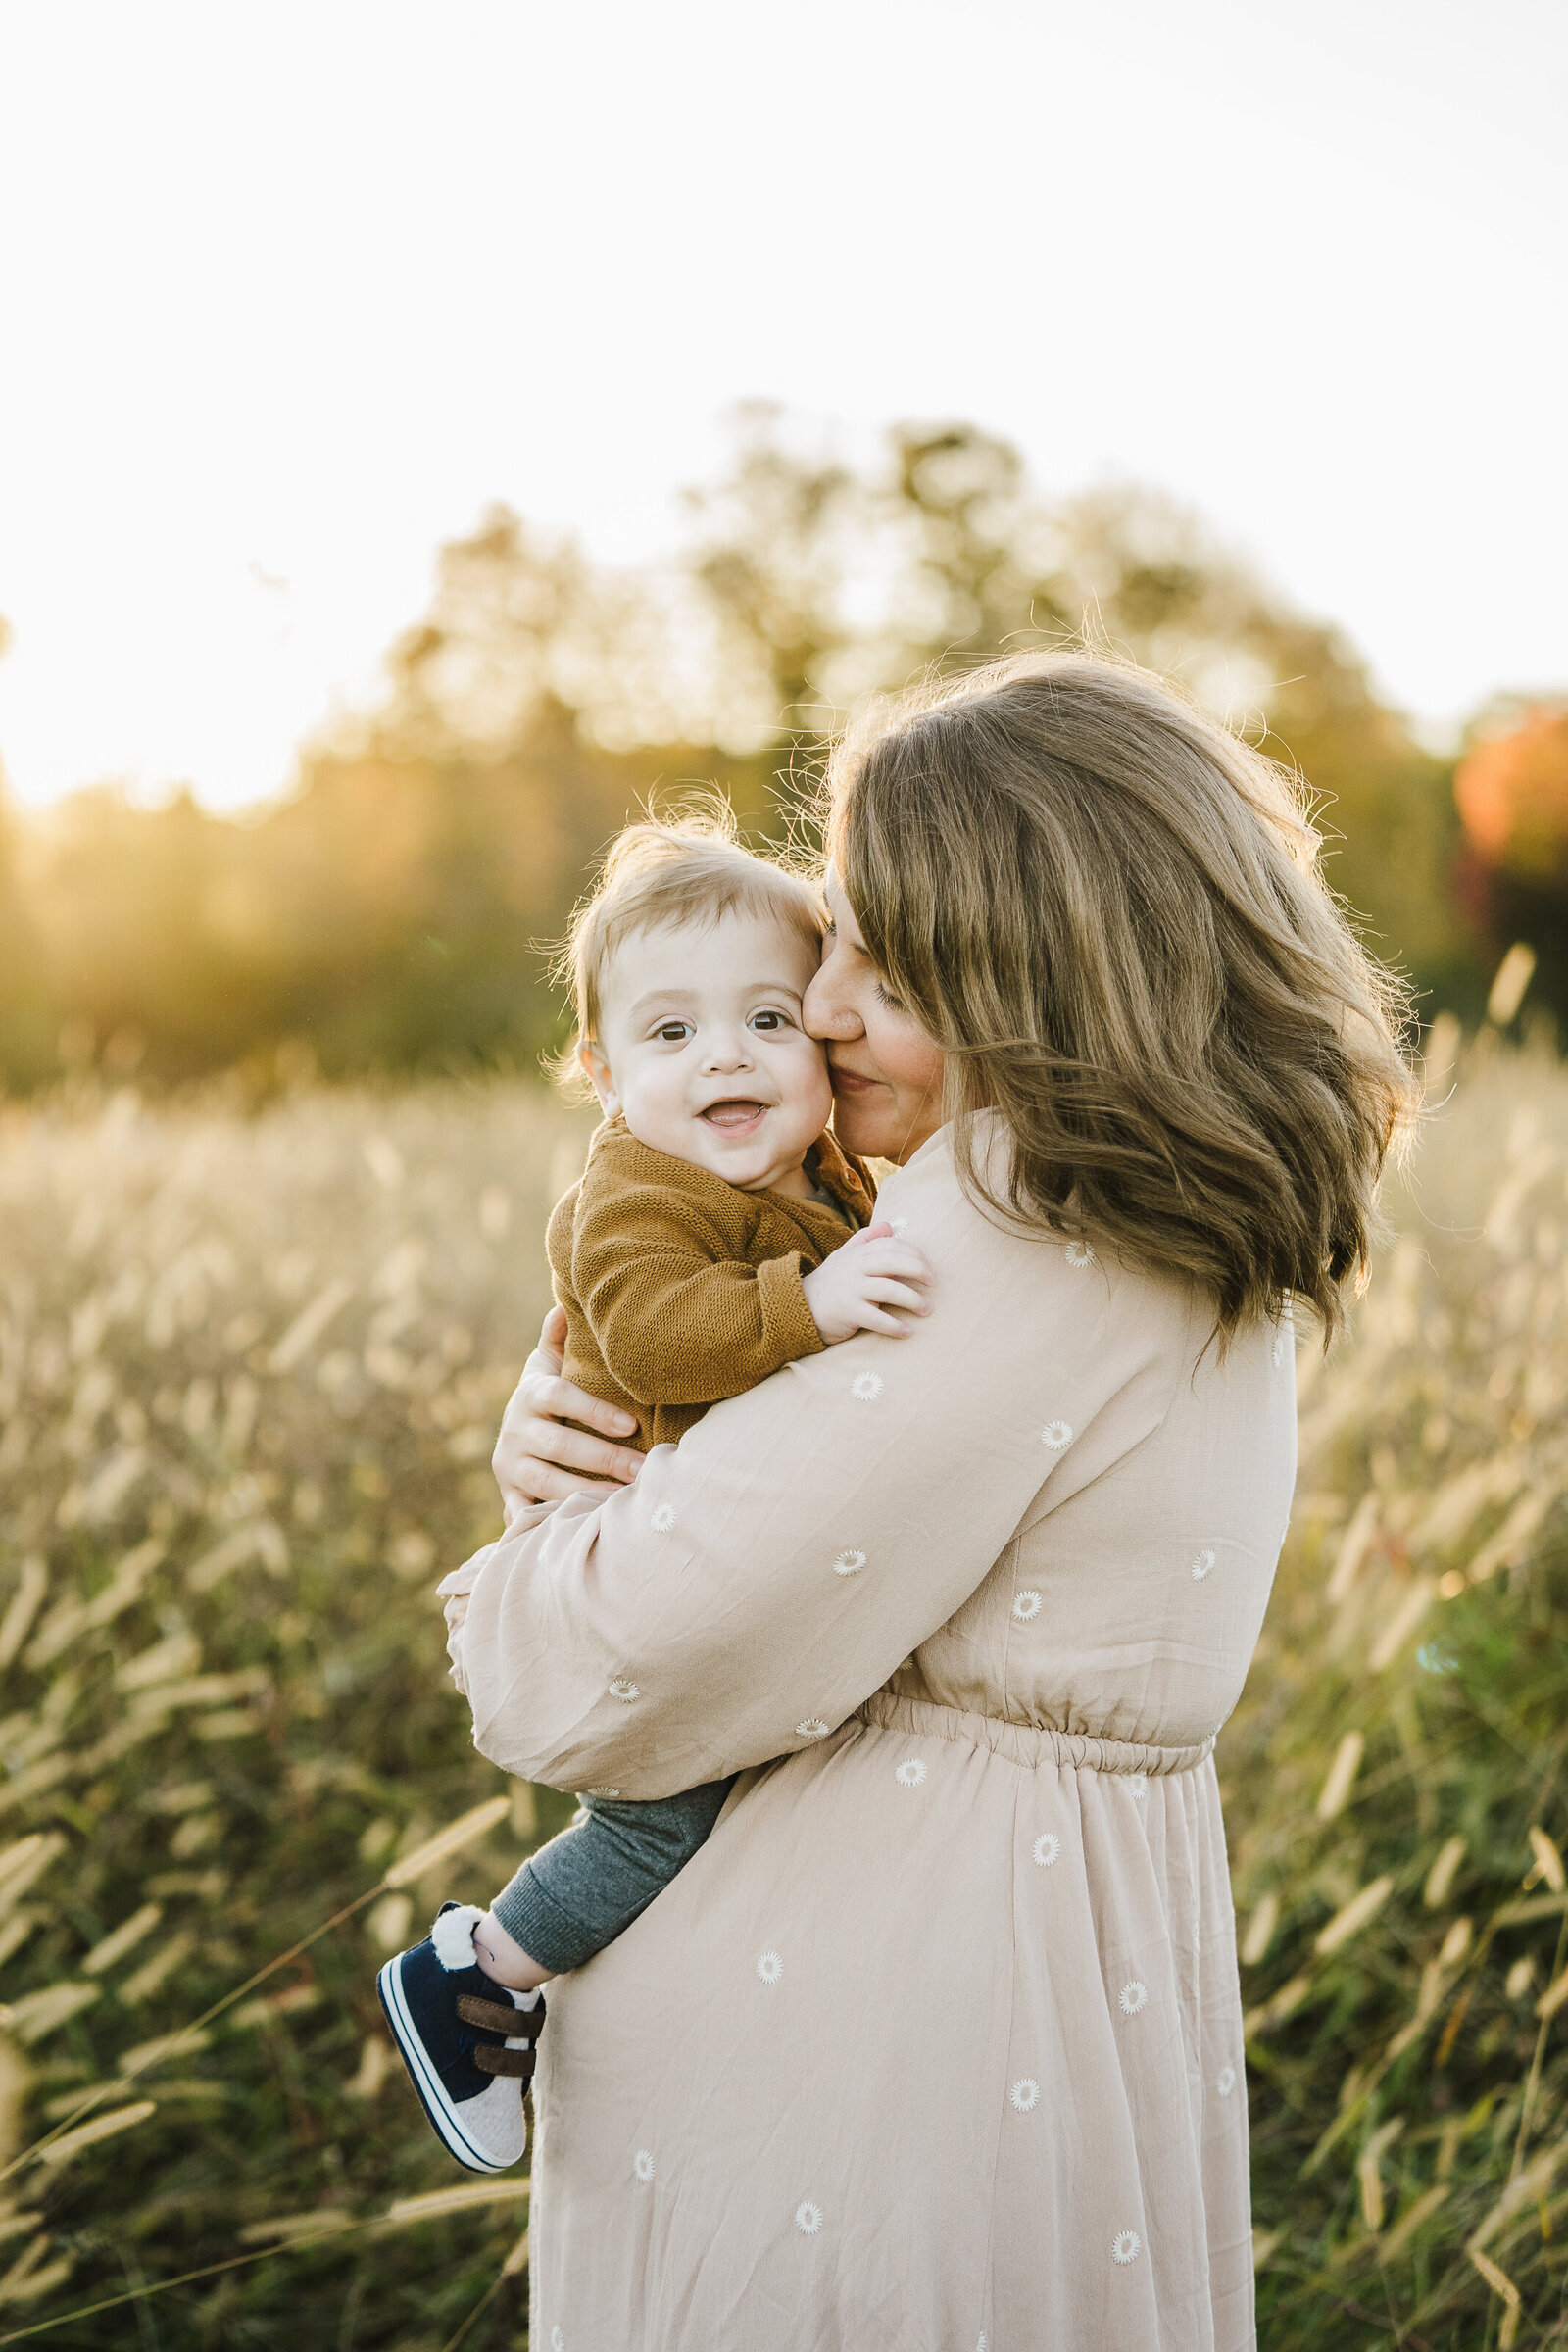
(591, 1060)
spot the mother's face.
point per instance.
(887, 1074)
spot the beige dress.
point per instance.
(936, 2045)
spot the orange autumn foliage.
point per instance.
(1512, 794)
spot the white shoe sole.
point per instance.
(443, 2113)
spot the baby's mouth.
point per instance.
(740, 1113)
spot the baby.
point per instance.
(698, 1253)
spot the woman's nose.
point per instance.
(824, 1011)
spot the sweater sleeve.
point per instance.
(755, 1585)
(673, 1326)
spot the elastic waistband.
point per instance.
(1029, 1744)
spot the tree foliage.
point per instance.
(391, 912)
(1512, 792)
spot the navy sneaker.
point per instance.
(466, 2041)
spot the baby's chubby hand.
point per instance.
(853, 1290)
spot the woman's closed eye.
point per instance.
(885, 995)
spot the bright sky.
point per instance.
(289, 291)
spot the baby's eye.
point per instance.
(769, 1019)
(673, 1033)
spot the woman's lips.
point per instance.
(848, 1082)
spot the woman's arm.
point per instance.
(757, 1583)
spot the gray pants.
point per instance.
(582, 1889)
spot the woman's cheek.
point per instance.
(905, 1054)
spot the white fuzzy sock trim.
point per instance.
(453, 1936)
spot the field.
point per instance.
(250, 1368)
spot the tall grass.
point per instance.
(1394, 1775)
(250, 1369)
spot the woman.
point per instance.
(937, 2044)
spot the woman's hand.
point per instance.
(536, 1458)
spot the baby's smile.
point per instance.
(737, 1115)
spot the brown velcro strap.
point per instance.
(491, 2059)
(519, 2025)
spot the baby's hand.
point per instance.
(852, 1290)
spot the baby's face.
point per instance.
(704, 1052)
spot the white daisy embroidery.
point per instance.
(900, 1226)
(622, 1690)
(642, 2165)
(1056, 1435)
(813, 1728)
(1138, 1787)
(663, 1520)
(849, 1563)
(1202, 1564)
(1024, 2094)
(867, 1385)
(1133, 1997)
(1026, 1605)
(557, 2342)
(981, 2345)
(1079, 1253)
(601, 1792)
(1226, 2081)
(911, 1773)
(1127, 2247)
(1047, 1846)
(807, 2217)
(771, 1968)
(1280, 1338)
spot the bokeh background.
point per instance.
(427, 438)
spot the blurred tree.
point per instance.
(29, 1023)
(159, 934)
(1511, 787)
(391, 911)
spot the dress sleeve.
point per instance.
(757, 1583)
(673, 1326)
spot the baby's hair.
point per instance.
(688, 871)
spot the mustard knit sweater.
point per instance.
(680, 1289)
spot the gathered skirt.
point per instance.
(934, 2047)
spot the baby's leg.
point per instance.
(586, 1886)
(501, 1957)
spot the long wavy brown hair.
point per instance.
(1110, 913)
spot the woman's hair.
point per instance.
(1108, 913)
(689, 871)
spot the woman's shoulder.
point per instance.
(941, 1206)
